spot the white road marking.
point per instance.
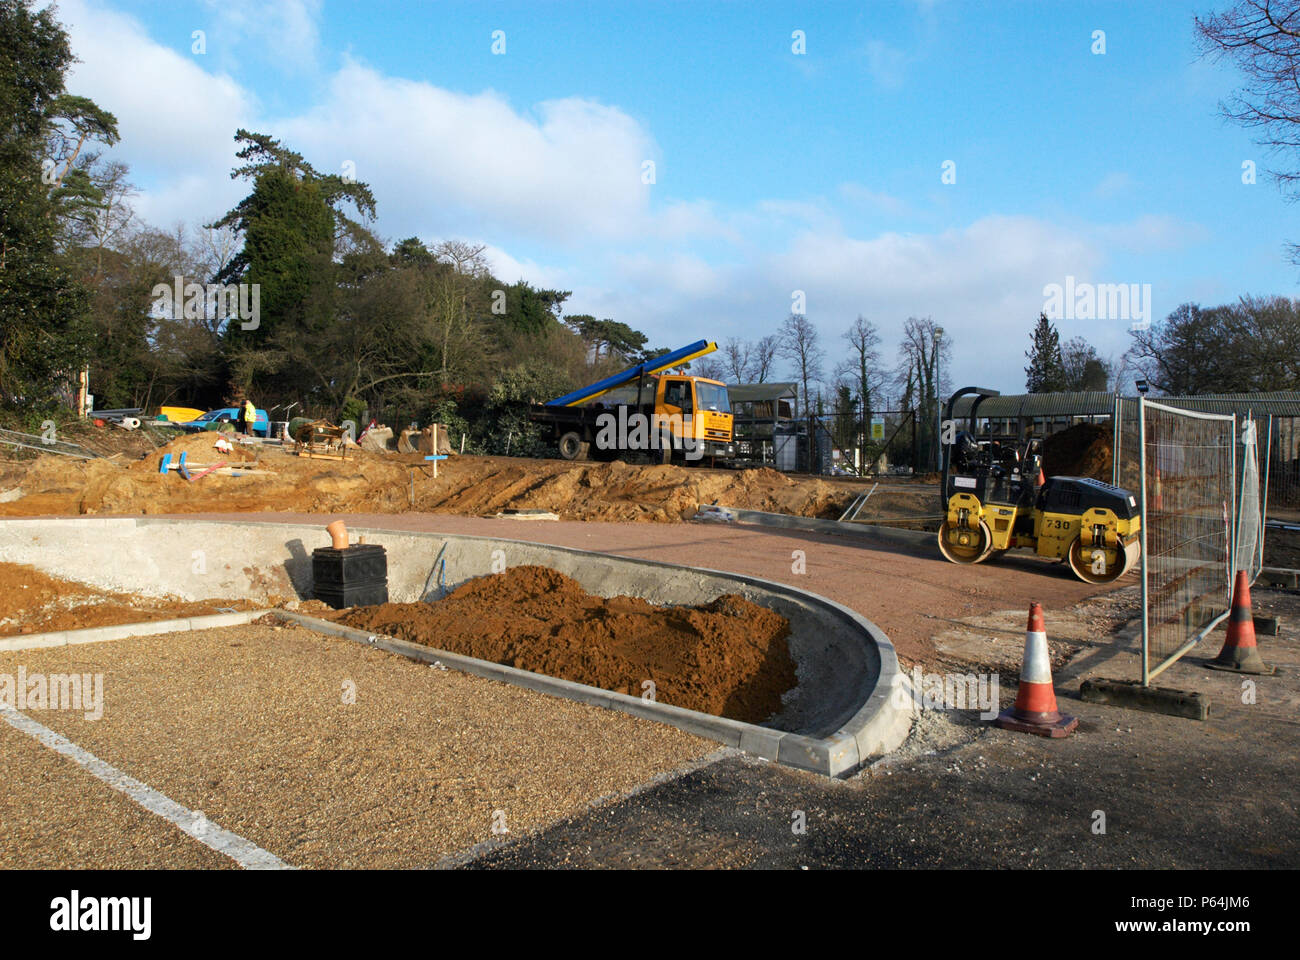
(244, 852)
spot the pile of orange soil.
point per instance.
(728, 657)
(33, 602)
(369, 482)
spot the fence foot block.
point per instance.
(1266, 626)
(1131, 694)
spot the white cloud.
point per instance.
(874, 200)
(438, 161)
(509, 269)
(1151, 232)
(175, 119)
(450, 162)
(284, 32)
(885, 64)
(983, 283)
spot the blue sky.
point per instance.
(774, 171)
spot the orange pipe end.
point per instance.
(338, 532)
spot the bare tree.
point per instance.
(1262, 38)
(799, 344)
(450, 312)
(710, 369)
(922, 357)
(763, 357)
(105, 223)
(735, 360)
(465, 258)
(217, 246)
(860, 370)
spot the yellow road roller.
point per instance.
(995, 499)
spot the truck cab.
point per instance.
(697, 408)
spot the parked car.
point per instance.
(211, 419)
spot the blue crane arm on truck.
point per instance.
(689, 417)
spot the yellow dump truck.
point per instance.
(645, 411)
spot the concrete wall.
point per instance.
(845, 665)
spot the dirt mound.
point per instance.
(394, 483)
(33, 602)
(1084, 450)
(728, 657)
(199, 449)
(623, 491)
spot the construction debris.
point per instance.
(376, 439)
(28, 441)
(321, 440)
(422, 441)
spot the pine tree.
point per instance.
(1046, 370)
(45, 334)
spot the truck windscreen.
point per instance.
(712, 396)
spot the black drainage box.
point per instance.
(356, 576)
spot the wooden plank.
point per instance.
(207, 471)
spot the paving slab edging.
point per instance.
(123, 631)
(834, 755)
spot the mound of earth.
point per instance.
(1084, 450)
(199, 449)
(366, 482)
(34, 602)
(728, 657)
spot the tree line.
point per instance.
(343, 324)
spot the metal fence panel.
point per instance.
(1186, 469)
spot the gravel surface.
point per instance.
(55, 815)
(250, 725)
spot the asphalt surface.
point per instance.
(1175, 793)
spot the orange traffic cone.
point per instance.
(1035, 707)
(1239, 653)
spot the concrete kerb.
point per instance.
(124, 631)
(840, 716)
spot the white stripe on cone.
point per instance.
(1037, 667)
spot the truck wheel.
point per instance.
(572, 446)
